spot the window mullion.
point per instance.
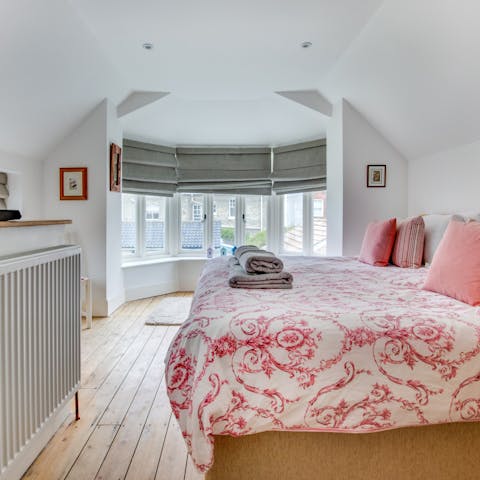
(175, 224)
(141, 225)
(307, 223)
(240, 220)
(208, 224)
(274, 223)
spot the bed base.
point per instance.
(440, 452)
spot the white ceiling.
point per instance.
(410, 66)
(224, 49)
(222, 61)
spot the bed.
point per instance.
(358, 353)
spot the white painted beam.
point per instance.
(309, 98)
(137, 100)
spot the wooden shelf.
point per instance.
(32, 223)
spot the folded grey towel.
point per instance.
(239, 279)
(244, 248)
(260, 261)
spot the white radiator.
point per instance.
(39, 350)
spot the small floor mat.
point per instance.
(170, 311)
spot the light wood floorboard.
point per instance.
(126, 429)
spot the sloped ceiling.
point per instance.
(53, 72)
(414, 72)
(409, 66)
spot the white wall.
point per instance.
(448, 181)
(363, 145)
(115, 290)
(96, 221)
(25, 184)
(175, 275)
(354, 145)
(335, 182)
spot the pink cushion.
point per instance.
(378, 242)
(455, 269)
(408, 248)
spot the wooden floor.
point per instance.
(126, 430)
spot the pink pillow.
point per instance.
(408, 248)
(455, 269)
(378, 243)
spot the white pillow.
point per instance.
(435, 226)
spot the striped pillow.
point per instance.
(408, 248)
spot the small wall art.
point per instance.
(376, 176)
(74, 183)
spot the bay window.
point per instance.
(187, 200)
(189, 223)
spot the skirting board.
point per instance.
(115, 302)
(37, 443)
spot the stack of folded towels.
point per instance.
(251, 267)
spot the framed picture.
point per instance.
(376, 175)
(73, 183)
(115, 168)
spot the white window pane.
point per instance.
(196, 212)
(224, 208)
(320, 223)
(232, 207)
(129, 223)
(192, 225)
(293, 222)
(155, 208)
(256, 220)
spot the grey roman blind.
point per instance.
(148, 169)
(300, 168)
(224, 170)
(3, 190)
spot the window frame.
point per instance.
(173, 222)
(158, 252)
(205, 221)
(126, 254)
(141, 251)
(308, 226)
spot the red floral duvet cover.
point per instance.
(351, 348)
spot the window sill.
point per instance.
(154, 261)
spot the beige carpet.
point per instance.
(170, 311)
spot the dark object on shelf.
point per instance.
(10, 215)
